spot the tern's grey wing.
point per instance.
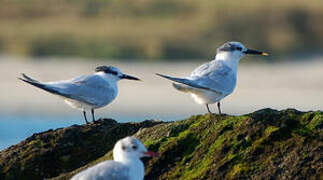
(44, 86)
(110, 170)
(91, 89)
(188, 82)
(202, 68)
(216, 75)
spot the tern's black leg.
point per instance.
(84, 113)
(219, 108)
(208, 109)
(93, 118)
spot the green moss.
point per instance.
(271, 129)
(301, 131)
(198, 168)
(36, 143)
(239, 169)
(316, 122)
(149, 143)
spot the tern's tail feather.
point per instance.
(186, 88)
(28, 78)
(181, 87)
(184, 81)
(38, 84)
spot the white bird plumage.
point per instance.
(125, 166)
(212, 81)
(87, 92)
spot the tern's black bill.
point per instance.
(250, 51)
(125, 76)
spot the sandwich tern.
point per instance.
(126, 164)
(212, 81)
(87, 92)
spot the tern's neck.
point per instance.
(230, 59)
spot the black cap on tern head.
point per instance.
(237, 46)
(115, 71)
(226, 47)
(107, 69)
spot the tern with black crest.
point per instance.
(212, 81)
(87, 92)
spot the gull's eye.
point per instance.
(134, 147)
(123, 147)
(239, 48)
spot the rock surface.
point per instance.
(266, 144)
(50, 153)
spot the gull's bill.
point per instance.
(150, 154)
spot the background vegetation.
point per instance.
(159, 29)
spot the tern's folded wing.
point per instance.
(89, 89)
(187, 82)
(215, 75)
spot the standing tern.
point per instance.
(87, 92)
(212, 81)
(125, 166)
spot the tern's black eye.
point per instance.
(239, 48)
(123, 147)
(134, 147)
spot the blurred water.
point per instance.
(25, 110)
(14, 128)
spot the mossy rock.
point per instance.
(266, 144)
(51, 153)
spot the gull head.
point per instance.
(235, 51)
(114, 72)
(130, 148)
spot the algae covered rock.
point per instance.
(54, 152)
(266, 144)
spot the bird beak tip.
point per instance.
(264, 54)
(251, 51)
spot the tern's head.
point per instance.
(130, 148)
(235, 50)
(114, 72)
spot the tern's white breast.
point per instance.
(206, 97)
